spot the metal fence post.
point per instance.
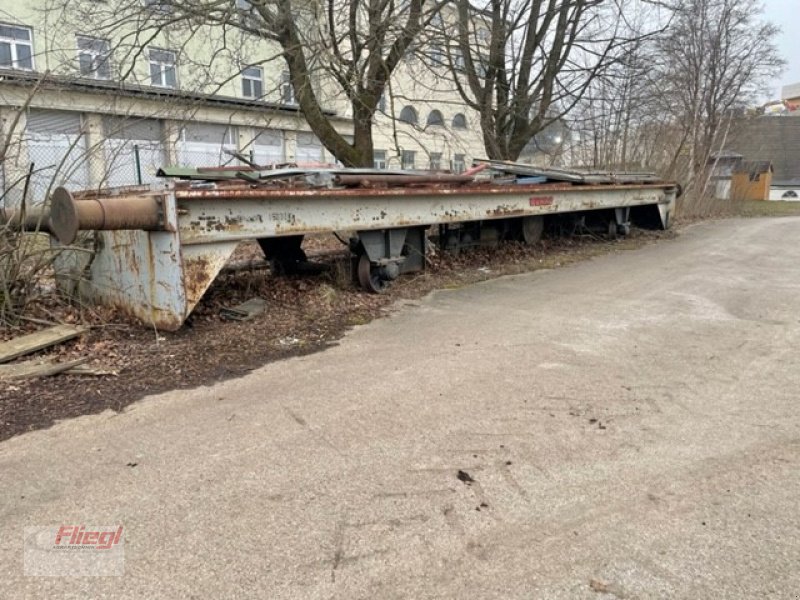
(138, 164)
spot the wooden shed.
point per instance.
(751, 180)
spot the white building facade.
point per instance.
(88, 110)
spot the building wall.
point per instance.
(790, 94)
(191, 129)
(743, 187)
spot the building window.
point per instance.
(162, 6)
(435, 55)
(382, 103)
(163, 72)
(458, 59)
(15, 47)
(407, 160)
(94, 57)
(459, 163)
(436, 161)
(409, 115)
(379, 159)
(410, 54)
(287, 89)
(459, 121)
(481, 66)
(435, 118)
(252, 82)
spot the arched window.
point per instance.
(459, 121)
(435, 118)
(409, 115)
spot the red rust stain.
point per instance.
(197, 274)
(505, 211)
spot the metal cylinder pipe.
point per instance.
(68, 215)
(34, 219)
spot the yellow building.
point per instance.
(751, 180)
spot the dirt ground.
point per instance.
(303, 314)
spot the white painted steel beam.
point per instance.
(207, 216)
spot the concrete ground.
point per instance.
(630, 423)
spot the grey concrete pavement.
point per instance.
(631, 425)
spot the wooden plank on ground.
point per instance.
(36, 341)
(96, 371)
(38, 368)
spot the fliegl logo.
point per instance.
(74, 550)
(78, 537)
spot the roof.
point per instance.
(791, 91)
(753, 166)
(775, 139)
(119, 88)
(725, 155)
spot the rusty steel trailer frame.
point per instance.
(157, 250)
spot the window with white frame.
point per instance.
(163, 6)
(459, 163)
(287, 90)
(94, 57)
(16, 49)
(163, 68)
(458, 59)
(435, 54)
(408, 158)
(252, 82)
(379, 159)
(436, 161)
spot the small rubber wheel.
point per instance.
(370, 277)
(532, 228)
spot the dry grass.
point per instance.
(767, 208)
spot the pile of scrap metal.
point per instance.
(158, 248)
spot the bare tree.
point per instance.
(712, 62)
(522, 64)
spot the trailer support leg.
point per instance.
(284, 253)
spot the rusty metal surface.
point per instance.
(401, 180)
(206, 219)
(159, 276)
(69, 215)
(201, 264)
(238, 191)
(139, 272)
(33, 219)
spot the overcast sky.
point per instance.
(786, 15)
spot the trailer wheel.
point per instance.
(372, 278)
(532, 228)
(613, 232)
